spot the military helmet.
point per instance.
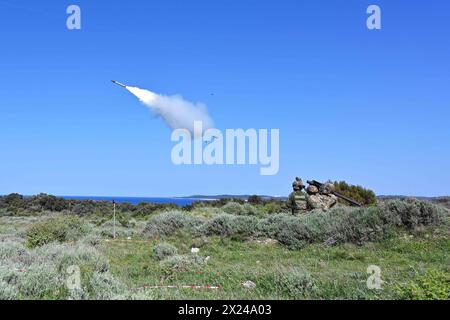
(299, 181)
(298, 184)
(312, 190)
(327, 188)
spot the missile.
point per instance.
(118, 83)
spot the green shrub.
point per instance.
(14, 254)
(239, 209)
(7, 292)
(103, 286)
(41, 273)
(255, 199)
(125, 220)
(168, 223)
(412, 213)
(364, 196)
(292, 284)
(163, 250)
(106, 230)
(433, 285)
(182, 263)
(345, 287)
(58, 229)
(4, 212)
(42, 281)
(77, 294)
(62, 256)
(274, 206)
(353, 225)
(8, 273)
(228, 225)
(339, 225)
(91, 240)
(204, 212)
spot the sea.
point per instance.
(136, 200)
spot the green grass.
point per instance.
(338, 272)
(414, 261)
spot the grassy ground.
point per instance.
(414, 263)
(338, 272)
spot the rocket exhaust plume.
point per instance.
(176, 112)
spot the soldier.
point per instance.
(322, 199)
(327, 188)
(298, 199)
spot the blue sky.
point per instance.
(369, 107)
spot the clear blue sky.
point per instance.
(369, 107)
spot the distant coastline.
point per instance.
(181, 201)
(188, 200)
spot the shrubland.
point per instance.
(319, 255)
(339, 225)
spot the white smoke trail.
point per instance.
(176, 112)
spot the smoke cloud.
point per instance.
(176, 112)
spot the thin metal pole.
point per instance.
(114, 215)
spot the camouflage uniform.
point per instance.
(322, 199)
(321, 202)
(297, 200)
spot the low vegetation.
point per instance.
(431, 285)
(364, 196)
(57, 229)
(319, 255)
(339, 225)
(164, 250)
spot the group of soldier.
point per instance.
(314, 198)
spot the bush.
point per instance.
(59, 229)
(41, 273)
(125, 220)
(364, 196)
(7, 292)
(353, 225)
(106, 230)
(4, 212)
(227, 225)
(91, 240)
(12, 203)
(14, 255)
(103, 286)
(63, 256)
(433, 285)
(146, 209)
(167, 223)
(163, 250)
(255, 200)
(339, 225)
(45, 268)
(42, 281)
(181, 263)
(45, 202)
(412, 213)
(294, 284)
(274, 206)
(239, 209)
